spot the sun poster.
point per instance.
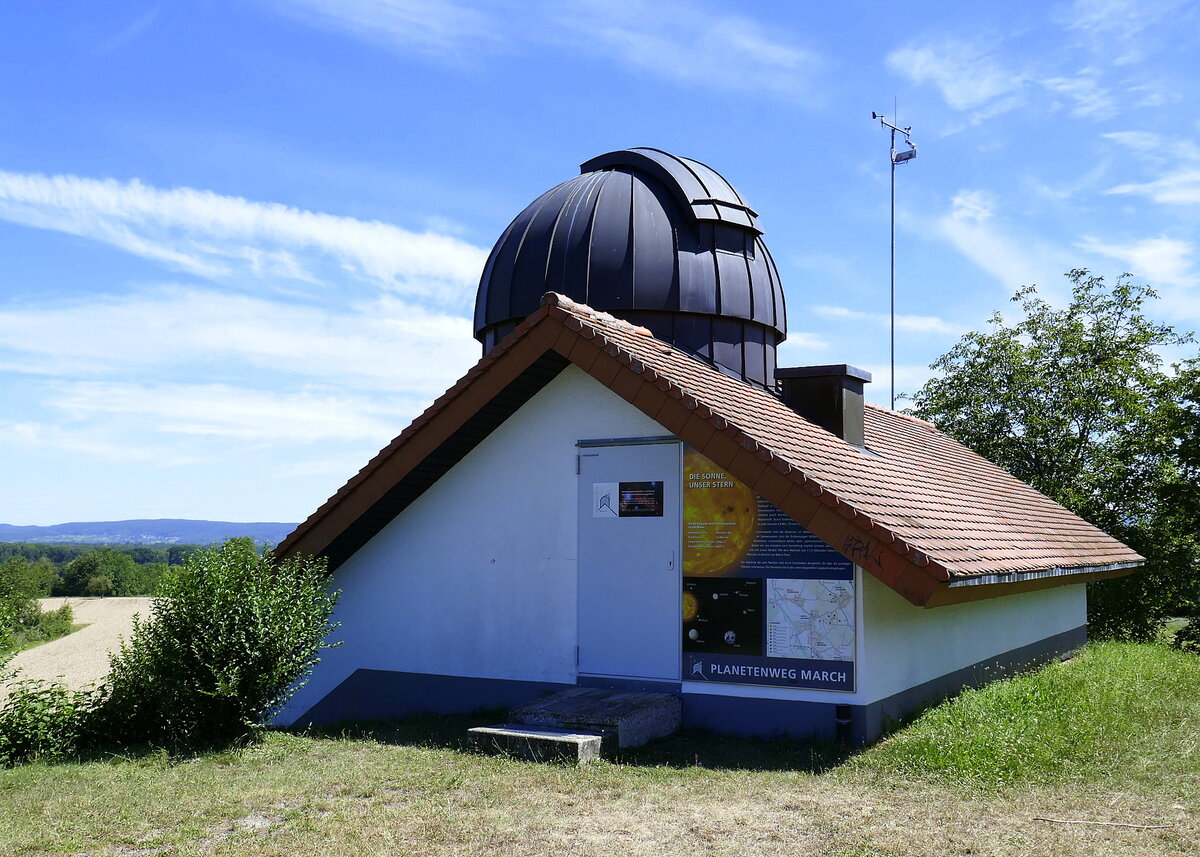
(764, 600)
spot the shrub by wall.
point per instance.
(231, 636)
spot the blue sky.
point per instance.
(241, 240)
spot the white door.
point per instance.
(629, 554)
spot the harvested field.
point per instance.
(81, 658)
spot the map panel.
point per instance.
(810, 619)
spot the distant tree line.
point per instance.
(171, 554)
(124, 570)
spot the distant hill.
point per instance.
(160, 531)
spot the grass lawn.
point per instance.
(1113, 735)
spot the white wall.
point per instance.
(478, 576)
(902, 646)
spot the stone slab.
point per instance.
(538, 743)
(631, 718)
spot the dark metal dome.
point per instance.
(659, 240)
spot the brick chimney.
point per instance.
(830, 396)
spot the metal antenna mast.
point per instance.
(896, 158)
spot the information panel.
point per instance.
(764, 600)
(627, 499)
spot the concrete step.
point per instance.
(538, 743)
(627, 718)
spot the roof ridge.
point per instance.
(557, 299)
(901, 414)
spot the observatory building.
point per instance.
(627, 493)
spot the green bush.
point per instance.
(1187, 638)
(30, 625)
(231, 636)
(41, 720)
(56, 623)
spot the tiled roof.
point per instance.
(920, 511)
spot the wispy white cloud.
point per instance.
(677, 40)
(221, 237)
(909, 323)
(1154, 93)
(682, 41)
(1065, 187)
(1167, 264)
(1160, 261)
(131, 31)
(910, 377)
(443, 29)
(1180, 188)
(1155, 148)
(972, 228)
(30, 436)
(1176, 159)
(969, 74)
(179, 424)
(383, 344)
(1118, 28)
(798, 343)
(1092, 100)
(221, 410)
(987, 76)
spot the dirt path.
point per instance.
(82, 657)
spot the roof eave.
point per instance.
(976, 588)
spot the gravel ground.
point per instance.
(82, 657)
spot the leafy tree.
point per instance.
(29, 579)
(1185, 494)
(10, 610)
(178, 554)
(17, 608)
(107, 563)
(140, 579)
(22, 620)
(99, 585)
(1075, 402)
(42, 578)
(141, 554)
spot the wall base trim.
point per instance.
(381, 694)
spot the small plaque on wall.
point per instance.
(627, 499)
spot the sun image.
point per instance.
(720, 517)
(691, 607)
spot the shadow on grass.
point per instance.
(688, 748)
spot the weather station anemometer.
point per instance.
(901, 157)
